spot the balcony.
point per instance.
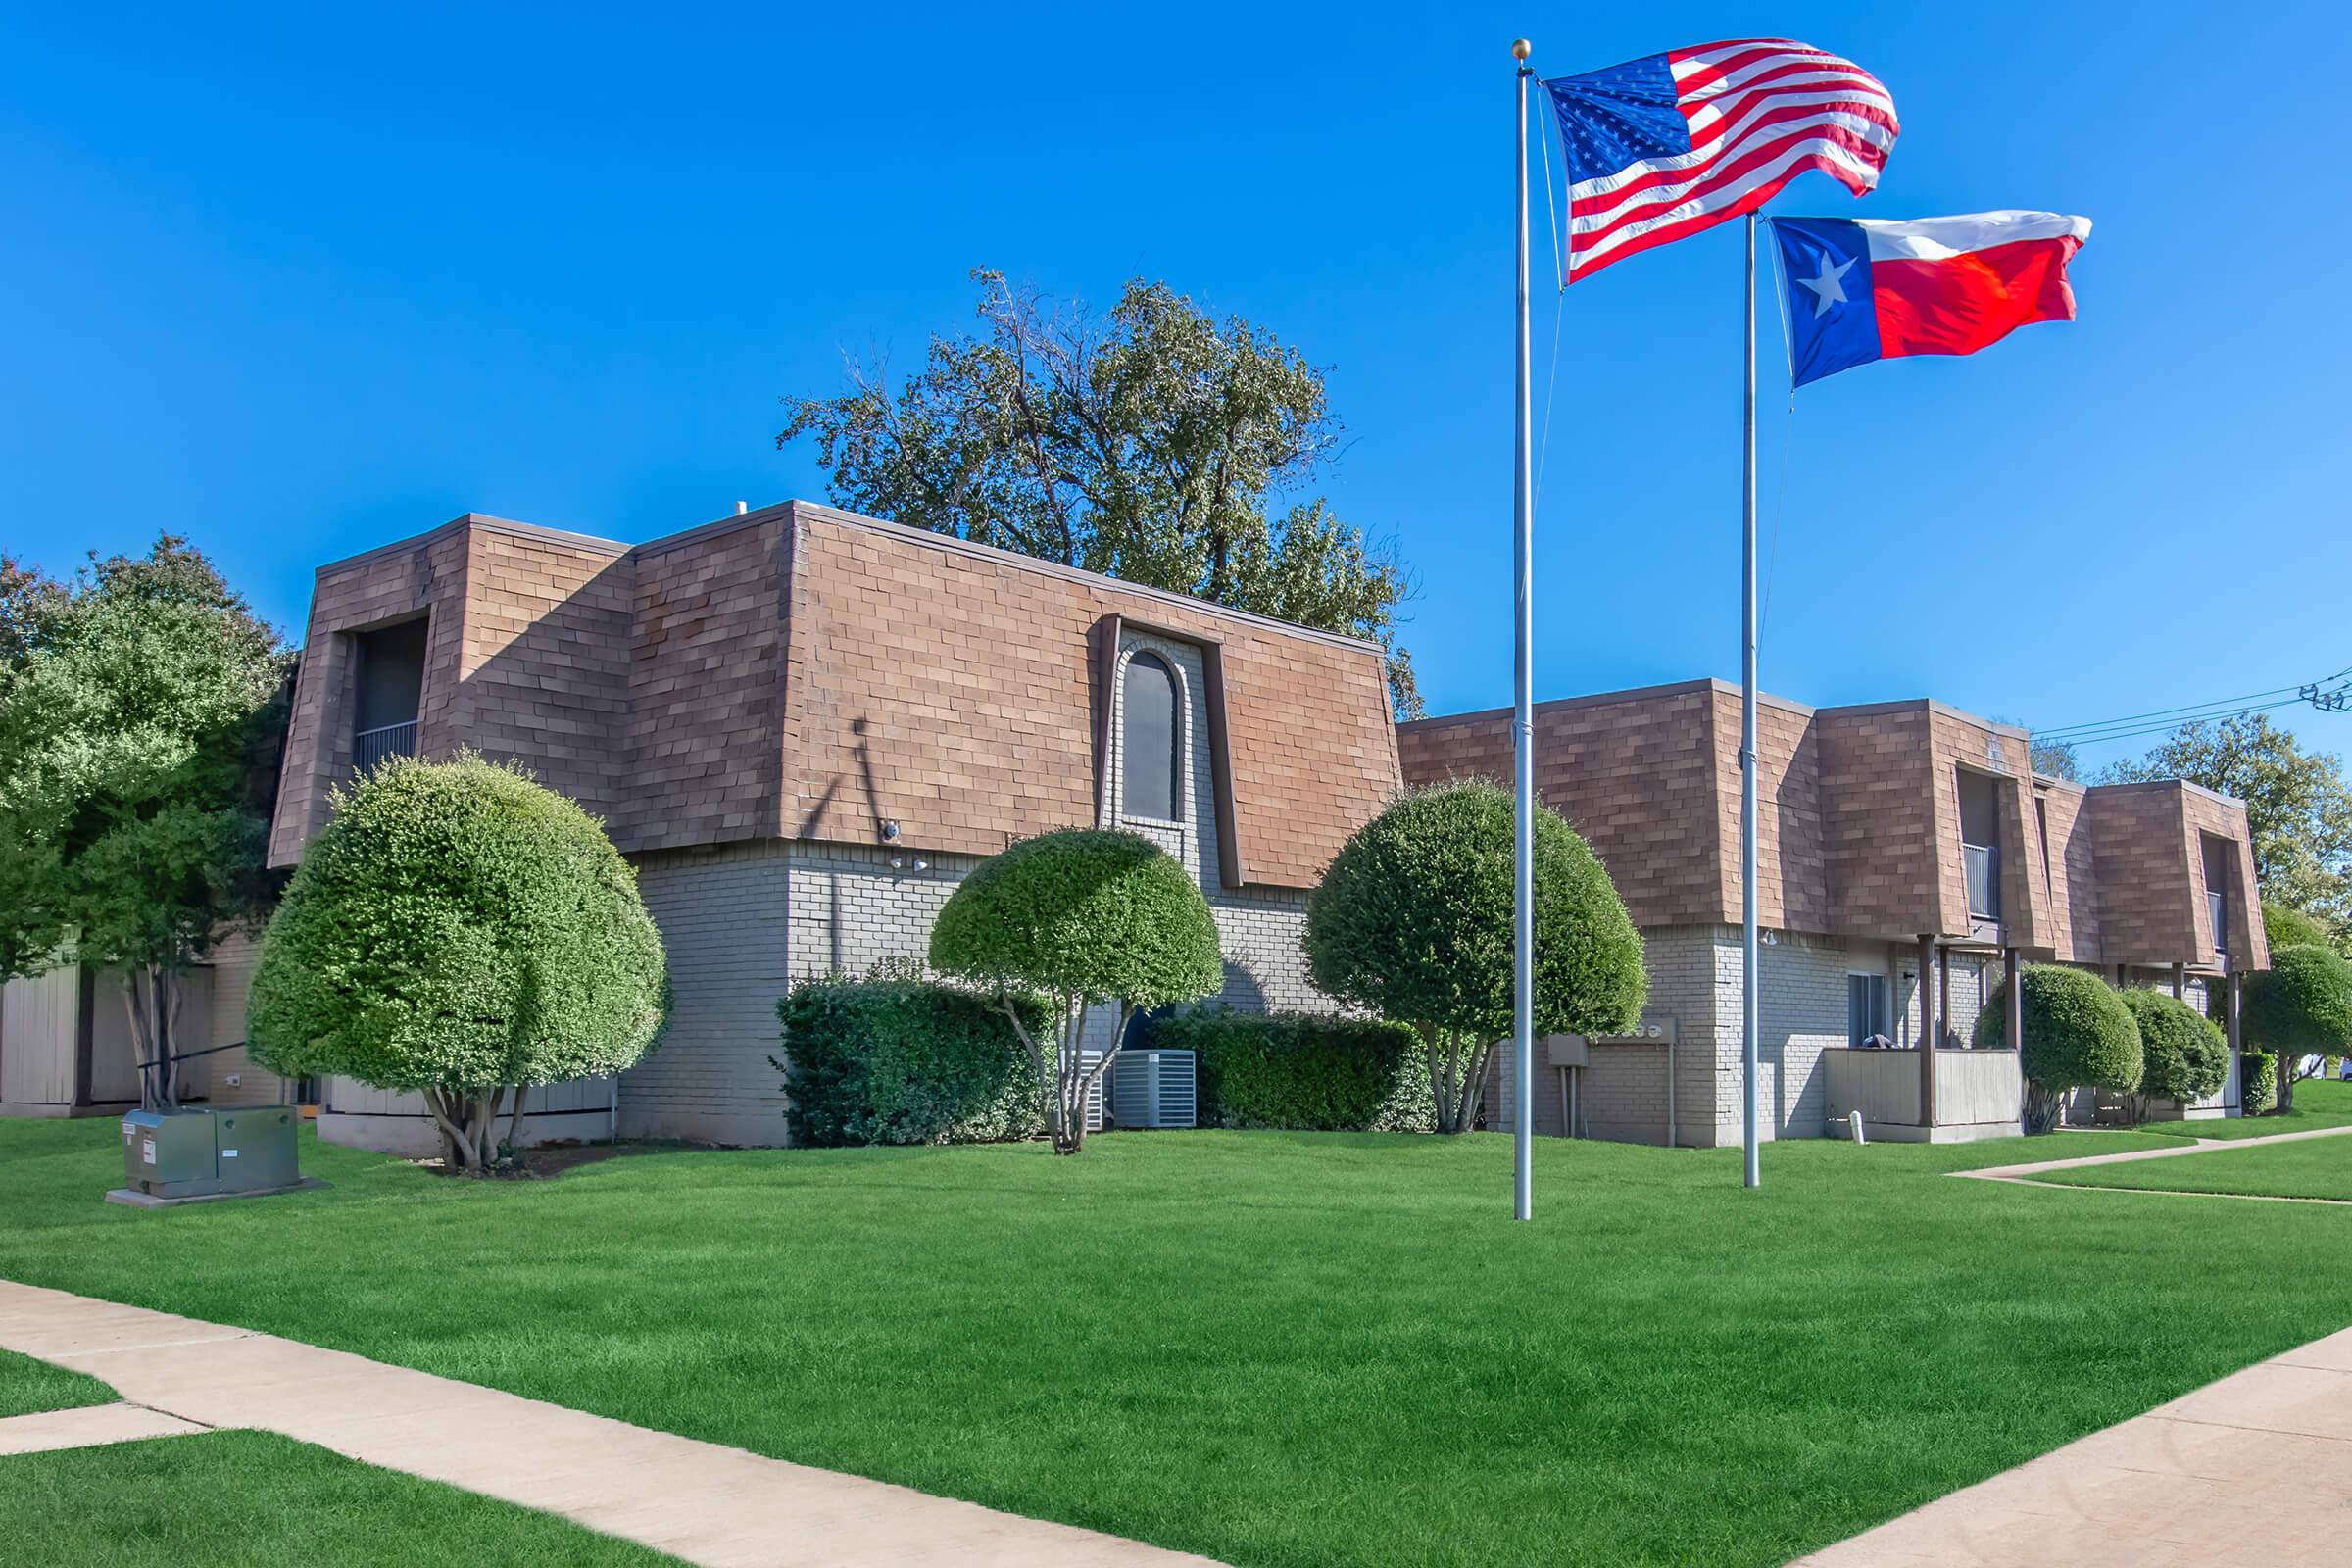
(1978, 1094)
(1983, 864)
(371, 747)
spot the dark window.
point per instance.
(388, 685)
(1865, 1007)
(1149, 764)
(1980, 843)
(2218, 856)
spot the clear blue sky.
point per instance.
(299, 284)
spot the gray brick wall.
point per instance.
(723, 919)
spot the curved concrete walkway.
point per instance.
(701, 1501)
(2254, 1471)
(2024, 1174)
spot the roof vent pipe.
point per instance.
(742, 507)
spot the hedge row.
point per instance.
(1301, 1072)
(904, 1062)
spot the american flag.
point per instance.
(1665, 146)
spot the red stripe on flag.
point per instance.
(1960, 304)
(1751, 155)
(1581, 267)
(1633, 202)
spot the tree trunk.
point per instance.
(2286, 1070)
(151, 997)
(466, 1118)
(515, 1124)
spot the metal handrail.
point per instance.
(371, 747)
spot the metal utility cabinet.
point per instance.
(198, 1154)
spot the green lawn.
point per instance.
(2319, 1103)
(254, 1499)
(27, 1386)
(1272, 1348)
(2316, 1167)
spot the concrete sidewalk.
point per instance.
(701, 1501)
(2202, 1146)
(2254, 1470)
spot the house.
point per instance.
(1898, 843)
(803, 728)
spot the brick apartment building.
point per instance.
(804, 727)
(1894, 841)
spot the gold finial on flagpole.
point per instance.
(1521, 49)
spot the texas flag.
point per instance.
(1864, 289)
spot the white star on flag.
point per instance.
(1829, 288)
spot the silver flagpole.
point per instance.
(1749, 977)
(1523, 735)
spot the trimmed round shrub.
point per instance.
(2258, 1082)
(1413, 923)
(1087, 916)
(458, 929)
(1302, 1071)
(2283, 927)
(2078, 1035)
(2301, 1007)
(904, 1062)
(2183, 1055)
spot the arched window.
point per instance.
(1151, 765)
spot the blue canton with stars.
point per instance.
(1833, 321)
(1615, 117)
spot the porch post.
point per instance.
(2180, 981)
(2232, 1027)
(2013, 1001)
(1928, 1036)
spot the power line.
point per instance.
(2059, 730)
(2131, 726)
(2167, 728)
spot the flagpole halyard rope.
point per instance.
(1780, 501)
(1559, 312)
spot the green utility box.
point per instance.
(198, 1154)
(168, 1153)
(255, 1145)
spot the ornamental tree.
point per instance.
(2301, 1007)
(1413, 923)
(460, 930)
(1089, 917)
(2079, 1034)
(2183, 1055)
(140, 708)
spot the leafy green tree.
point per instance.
(2183, 1055)
(2283, 927)
(2078, 1035)
(140, 707)
(2299, 1007)
(1413, 923)
(1091, 918)
(2055, 759)
(2298, 807)
(1153, 444)
(457, 929)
